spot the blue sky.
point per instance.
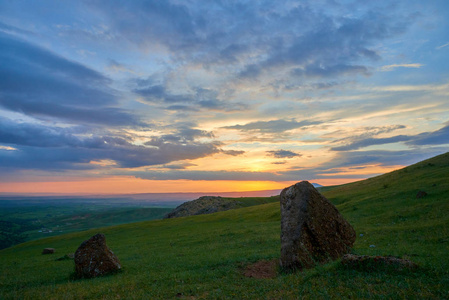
(214, 92)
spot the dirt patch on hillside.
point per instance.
(262, 269)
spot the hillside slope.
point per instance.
(203, 257)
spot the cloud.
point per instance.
(394, 66)
(360, 133)
(328, 169)
(438, 137)
(279, 162)
(143, 21)
(66, 148)
(327, 46)
(320, 71)
(40, 83)
(36, 135)
(183, 134)
(283, 154)
(13, 30)
(204, 175)
(115, 66)
(283, 65)
(233, 152)
(273, 126)
(199, 98)
(442, 46)
(255, 38)
(382, 157)
(181, 166)
(370, 142)
(7, 148)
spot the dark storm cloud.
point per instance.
(37, 82)
(273, 126)
(283, 154)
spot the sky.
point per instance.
(106, 96)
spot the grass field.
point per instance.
(203, 257)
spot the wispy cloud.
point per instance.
(442, 46)
(273, 126)
(115, 66)
(283, 154)
(395, 66)
(438, 137)
(8, 148)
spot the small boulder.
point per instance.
(312, 229)
(48, 251)
(93, 258)
(421, 194)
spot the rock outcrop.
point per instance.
(312, 229)
(93, 258)
(203, 205)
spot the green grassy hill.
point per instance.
(203, 257)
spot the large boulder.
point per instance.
(93, 258)
(312, 229)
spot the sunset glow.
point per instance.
(130, 185)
